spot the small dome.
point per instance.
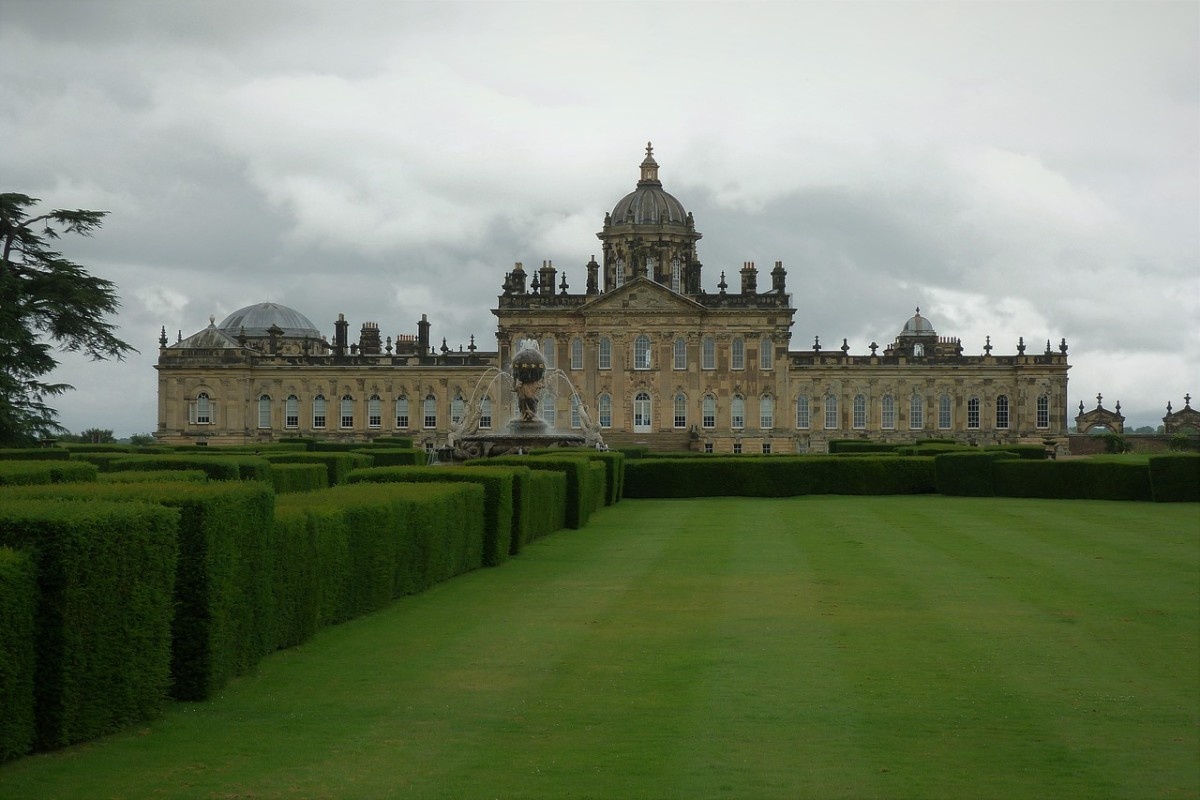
(648, 203)
(918, 325)
(256, 319)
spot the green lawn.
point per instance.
(818, 647)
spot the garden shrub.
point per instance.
(614, 466)
(497, 498)
(296, 579)
(323, 446)
(778, 476)
(105, 575)
(1032, 452)
(547, 504)
(104, 461)
(287, 478)
(18, 606)
(844, 446)
(24, 473)
(393, 441)
(222, 625)
(1082, 479)
(1175, 477)
(338, 465)
(633, 451)
(217, 469)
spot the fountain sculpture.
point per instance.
(528, 380)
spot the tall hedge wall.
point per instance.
(34, 454)
(778, 476)
(337, 464)
(1083, 479)
(223, 622)
(299, 477)
(1176, 477)
(967, 474)
(547, 504)
(614, 466)
(105, 574)
(217, 469)
(580, 492)
(18, 606)
(498, 496)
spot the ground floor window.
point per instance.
(1043, 411)
(1002, 411)
(973, 413)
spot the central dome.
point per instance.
(255, 320)
(648, 203)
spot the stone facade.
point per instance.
(653, 357)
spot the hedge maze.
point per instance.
(130, 577)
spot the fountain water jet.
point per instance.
(527, 383)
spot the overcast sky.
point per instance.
(1015, 169)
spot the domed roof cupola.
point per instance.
(918, 326)
(648, 204)
(650, 233)
(257, 320)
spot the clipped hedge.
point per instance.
(614, 466)
(18, 606)
(967, 474)
(26, 473)
(34, 454)
(287, 478)
(222, 625)
(1083, 479)
(395, 456)
(295, 580)
(778, 476)
(546, 507)
(1175, 478)
(1031, 452)
(393, 441)
(337, 465)
(159, 476)
(105, 575)
(217, 469)
(841, 446)
(580, 492)
(498, 499)
(374, 541)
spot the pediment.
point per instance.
(641, 295)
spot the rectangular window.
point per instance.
(708, 356)
(680, 354)
(604, 354)
(888, 413)
(291, 412)
(973, 413)
(766, 448)
(680, 411)
(1002, 411)
(641, 352)
(1043, 411)
(319, 412)
(766, 412)
(430, 412)
(402, 412)
(737, 413)
(575, 421)
(374, 413)
(831, 412)
(264, 412)
(737, 448)
(550, 352)
(737, 355)
(916, 412)
(709, 416)
(766, 353)
(605, 411)
(485, 413)
(944, 412)
(803, 413)
(860, 411)
(708, 447)
(577, 353)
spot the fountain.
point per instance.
(527, 380)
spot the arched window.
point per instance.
(680, 410)
(319, 411)
(918, 350)
(708, 415)
(485, 412)
(575, 421)
(577, 353)
(605, 410)
(264, 411)
(680, 353)
(859, 411)
(708, 353)
(374, 412)
(737, 354)
(641, 352)
(641, 412)
(766, 353)
(347, 411)
(1002, 411)
(676, 274)
(203, 412)
(1043, 411)
(887, 419)
(831, 411)
(402, 411)
(766, 412)
(973, 413)
(945, 412)
(803, 412)
(916, 411)
(429, 411)
(550, 352)
(456, 408)
(291, 412)
(737, 412)
(604, 353)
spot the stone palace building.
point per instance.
(654, 358)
